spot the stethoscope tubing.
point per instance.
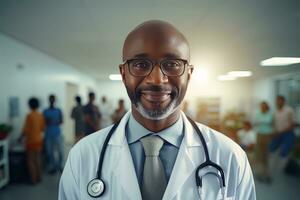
(103, 150)
(207, 162)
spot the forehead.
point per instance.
(156, 43)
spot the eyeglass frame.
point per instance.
(186, 63)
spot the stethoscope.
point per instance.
(96, 187)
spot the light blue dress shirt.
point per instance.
(172, 137)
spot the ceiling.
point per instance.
(224, 35)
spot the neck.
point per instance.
(156, 125)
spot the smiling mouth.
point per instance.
(155, 96)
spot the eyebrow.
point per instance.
(167, 55)
(141, 55)
(171, 55)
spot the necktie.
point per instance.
(154, 180)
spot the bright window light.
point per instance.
(240, 73)
(115, 77)
(201, 75)
(280, 61)
(226, 78)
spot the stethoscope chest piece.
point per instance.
(95, 188)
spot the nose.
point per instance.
(156, 76)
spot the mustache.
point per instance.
(136, 94)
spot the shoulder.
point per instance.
(90, 144)
(39, 114)
(227, 153)
(216, 136)
(222, 145)
(289, 109)
(58, 110)
(29, 116)
(86, 107)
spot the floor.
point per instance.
(46, 190)
(283, 187)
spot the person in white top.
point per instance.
(105, 109)
(284, 137)
(247, 140)
(247, 136)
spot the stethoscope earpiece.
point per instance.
(96, 188)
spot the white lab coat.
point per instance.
(118, 171)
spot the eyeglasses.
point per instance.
(144, 66)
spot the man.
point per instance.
(78, 117)
(119, 112)
(53, 138)
(283, 139)
(33, 132)
(92, 115)
(154, 151)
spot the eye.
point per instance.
(140, 64)
(172, 64)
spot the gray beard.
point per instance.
(157, 114)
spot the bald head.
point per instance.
(155, 39)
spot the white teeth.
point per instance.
(150, 97)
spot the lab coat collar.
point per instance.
(173, 134)
(189, 156)
(192, 139)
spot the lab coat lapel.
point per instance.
(124, 170)
(189, 156)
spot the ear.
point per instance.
(122, 72)
(190, 71)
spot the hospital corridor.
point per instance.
(149, 99)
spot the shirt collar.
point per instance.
(172, 134)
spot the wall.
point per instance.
(26, 72)
(234, 95)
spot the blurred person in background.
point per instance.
(119, 112)
(78, 117)
(284, 137)
(92, 115)
(247, 140)
(105, 112)
(33, 133)
(53, 136)
(264, 128)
